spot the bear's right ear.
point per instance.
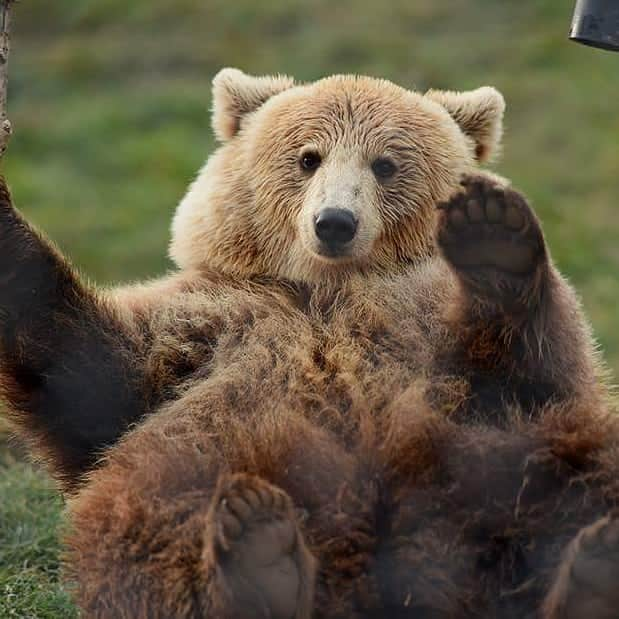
(236, 94)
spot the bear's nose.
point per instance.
(335, 226)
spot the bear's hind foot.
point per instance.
(587, 584)
(256, 554)
(492, 239)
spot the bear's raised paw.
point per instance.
(490, 235)
(259, 550)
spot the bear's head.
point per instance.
(313, 182)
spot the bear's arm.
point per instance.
(505, 320)
(72, 360)
(144, 299)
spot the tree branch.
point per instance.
(5, 24)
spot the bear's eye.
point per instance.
(384, 168)
(310, 161)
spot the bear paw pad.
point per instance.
(258, 545)
(489, 227)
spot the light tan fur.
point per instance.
(255, 176)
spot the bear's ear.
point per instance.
(479, 113)
(236, 94)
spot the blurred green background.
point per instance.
(109, 102)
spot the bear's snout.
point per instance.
(335, 228)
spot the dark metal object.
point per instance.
(596, 23)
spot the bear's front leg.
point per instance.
(257, 565)
(69, 364)
(517, 332)
(587, 584)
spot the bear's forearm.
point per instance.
(538, 354)
(514, 328)
(69, 366)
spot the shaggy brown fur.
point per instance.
(424, 435)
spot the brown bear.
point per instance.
(365, 392)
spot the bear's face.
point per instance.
(314, 182)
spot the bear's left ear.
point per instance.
(479, 113)
(236, 94)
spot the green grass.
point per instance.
(30, 515)
(109, 102)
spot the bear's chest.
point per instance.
(341, 343)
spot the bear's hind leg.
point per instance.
(159, 531)
(255, 557)
(587, 584)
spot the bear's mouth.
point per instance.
(334, 255)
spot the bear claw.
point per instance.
(488, 226)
